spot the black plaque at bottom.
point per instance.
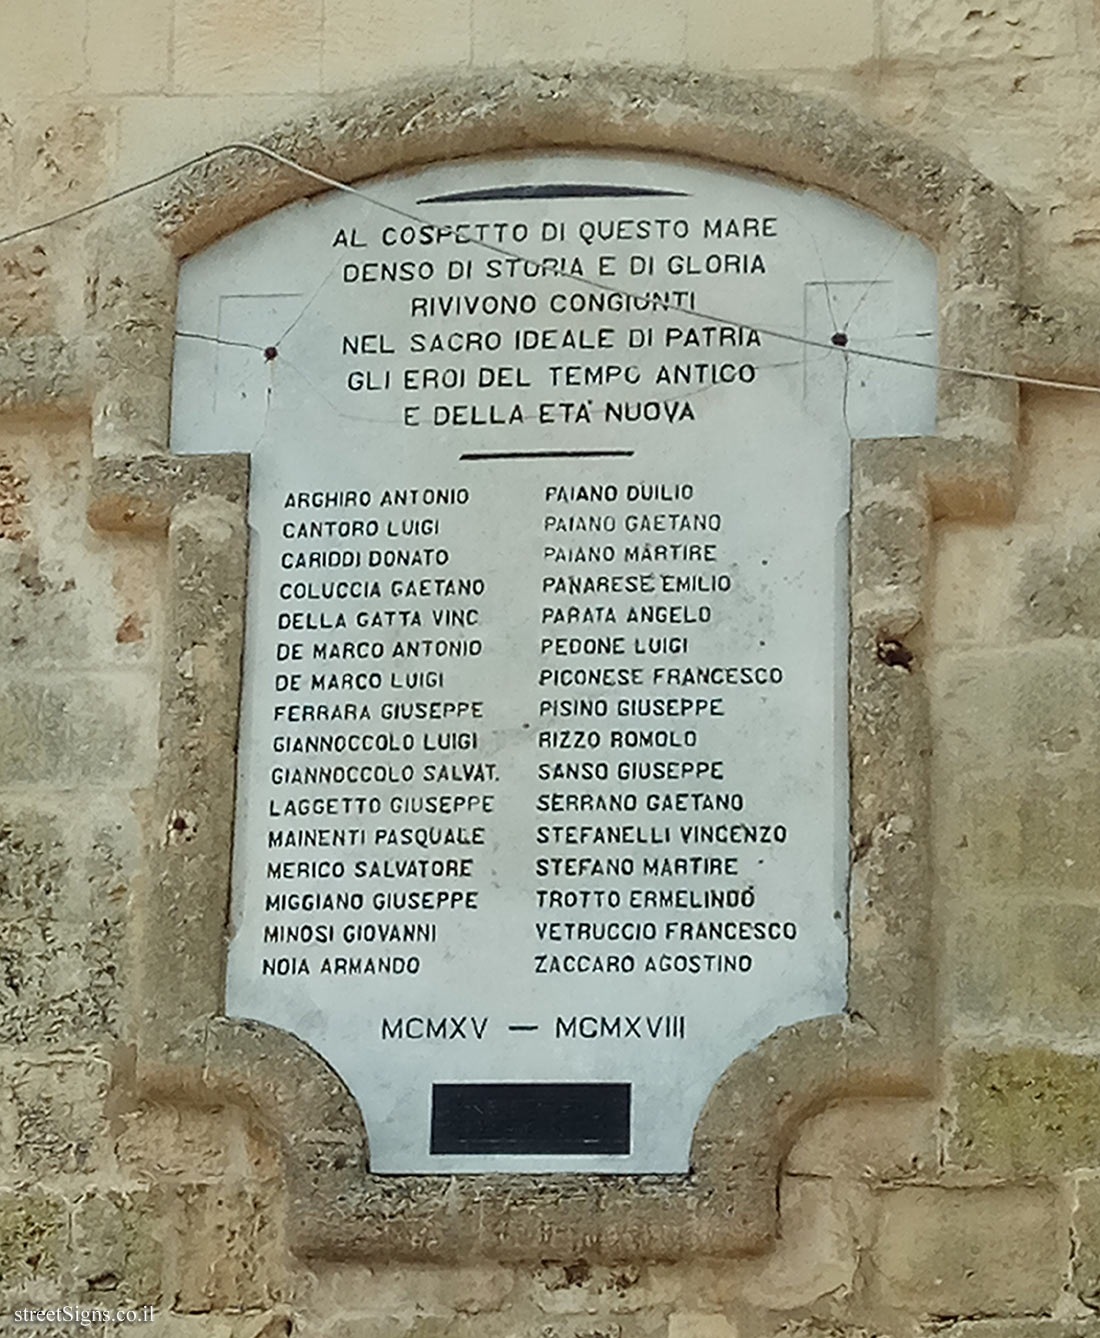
(562, 1119)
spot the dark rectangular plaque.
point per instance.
(561, 1119)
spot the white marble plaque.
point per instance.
(542, 797)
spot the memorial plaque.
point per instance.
(542, 794)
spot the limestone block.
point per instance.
(1025, 1112)
(1033, 825)
(1022, 1328)
(959, 30)
(994, 708)
(973, 587)
(1062, 466)
(228, 1247)
(192, 1143)
(262, 46)
(695, 1324)
(61, 150)
(370, 39)
(1086, 1242)
(79, 729)
(1017, 965)
(45, 56)
(955, 1252)
(408, 1324)
(467, 1289)
(505, 31)
(747, 36)
(822, 1226)
(128, 45)
(873, 1140)
(33, 862)
(59, 1113)
(1059, 586)
(579, 1287)
(117, 1248)
(67, 592)
(28, 294)
(33, 1238)
(893, 537)
(63, 881)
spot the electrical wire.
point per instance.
(236, 146)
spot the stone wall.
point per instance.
(974, 1213)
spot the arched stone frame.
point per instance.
(884, 1044)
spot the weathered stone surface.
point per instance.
(1062, 474)
(363, 38)
(27, 291)
(181, 1142)
(271, 46)
(973, 587)
(33, 1238)
(1034, 826)
(45, 58)
(698, 1324)
(826, 1224)
(59, 1107)
(117, 1247)
(1086, 1242)
(78, 730)
(500, 32)
(956, 30)
(742, 39)
(993, 708)
(1015, 964)
(471, 1289)
(869, 1140)
(1022, 1328)
(227, 1247)
(1059, 590)
(129, 45)
(952, 1252)
(1025, 1111)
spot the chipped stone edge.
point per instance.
(884, 1044)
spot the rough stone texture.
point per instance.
(1002, 707)
(956, 30)
(1022, 1328)
(117, 1247)
(226, 1248)
(33, 1238)
(1025, 1112)
(696, 1324)
(1018, 965)
(1034, 826)
(1086, 1242)
(965, 1252)
(1059, 580)
(868, 1140)
(27, 291)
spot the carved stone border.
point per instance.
(884, 1044)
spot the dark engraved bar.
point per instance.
(565, 190)
(561, 1119)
